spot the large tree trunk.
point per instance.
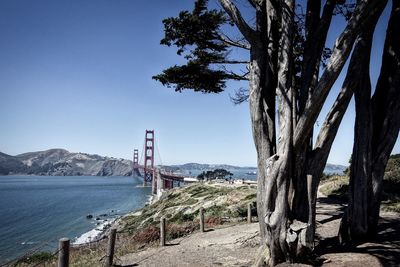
(263, 84)
(279, 167)
(386, 110)
(376, 130)
(316, 29)
(360, 169)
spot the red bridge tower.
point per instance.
(135, 166)
(148, 158)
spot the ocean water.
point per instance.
(35, 210)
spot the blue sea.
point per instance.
(35, 210)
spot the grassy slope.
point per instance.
(337, 186)
(182, 205)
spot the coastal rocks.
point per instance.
(104, 217)
(94, 235)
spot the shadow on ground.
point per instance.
(385, 246)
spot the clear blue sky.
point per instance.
(77, 75)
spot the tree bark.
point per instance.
(386, 110)
(279, 167)
(360, 169)
(281, 190)
(355, 222)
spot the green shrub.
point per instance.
(39, 257)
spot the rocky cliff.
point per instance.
(60, 162)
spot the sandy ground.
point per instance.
(237, 245)
(384, 251)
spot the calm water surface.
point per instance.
(39, 209)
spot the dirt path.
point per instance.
(384, 251)
(237, 245)
(230, 246)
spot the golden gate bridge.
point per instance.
(158, 178)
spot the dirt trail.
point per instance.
(230, 246)
(237, 245)
(384, 251)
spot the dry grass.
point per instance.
(180, 207)
(337, 187)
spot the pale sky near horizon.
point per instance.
(77, 75)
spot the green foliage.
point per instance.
(198, 77)
(211, 175)
(251, 197)
(196, 35)
(40, 257)
(207, 191)
(182, 217)
(391, 185)
(215, 211)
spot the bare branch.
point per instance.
(230, 62)
(241, 95)
(234, 76)
(231, 42)
(237, 18)
(331, 125)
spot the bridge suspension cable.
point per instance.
(159, 163)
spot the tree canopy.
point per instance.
(214, 174)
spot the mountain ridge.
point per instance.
(61, 162)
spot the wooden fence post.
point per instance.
(110, 247)
(249, 213)
(162, 231)
(202, 219)
(63, 252)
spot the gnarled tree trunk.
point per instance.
(376, 130)
(286, 232)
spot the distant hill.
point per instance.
(329, 168)
(201, 167)
(334, 169)
(60, 162)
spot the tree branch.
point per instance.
(358, 67)
(252, 3)
(386, 99)
(241, 95)
(341, 51)
(317, 31)
(230, 62)
(237, 18)
(234, 76)
(231, 42)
